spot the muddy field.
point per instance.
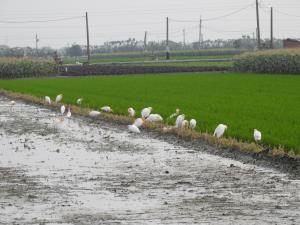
(94, 69)
(80, 171)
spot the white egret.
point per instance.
(106, 109)
(94, 113)
(58, 98)
(185, 124)
(193, 124)
(79, 101)
(257, 135)
(131, 112)
(179, 121)
(62, 109)
(48, 100)
(12, 103)
(220, 130)
(146, 112)
(138, 122)
(69, 112)
(154, 118)
(133, 129)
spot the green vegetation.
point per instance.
(187, 64)
(242, 101)
(25, 67)
(270, 61)
(142, 56)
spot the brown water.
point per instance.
(79, 171)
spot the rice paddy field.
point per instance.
(270, 103)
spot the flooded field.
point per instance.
(80, 171)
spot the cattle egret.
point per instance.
(133, 129)
(131, 112)
(257, 135)
(185, 124)
(12, 103)
(154, 118)
(146, 112)
(138, 122)
(58, 98)
(193, 124)
(62, 109)
(179, 121)
(94, 113)
(69, 113)
(174, 114)
(106, 109)
(220, 130)
(48, 100)
(79, 101)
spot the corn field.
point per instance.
(269, 61)
(11, 68)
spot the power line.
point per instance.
(44, 21)
(215, 18)
(287, 14)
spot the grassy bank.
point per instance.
(242, 101)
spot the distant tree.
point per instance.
(74, 50)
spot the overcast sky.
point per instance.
(121, 19)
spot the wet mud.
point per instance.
(80, 171)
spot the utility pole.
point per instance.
(36, 45)
(167, 41)
(183, 32)
(258, 28)
(145, 41)
(87, 37)
(271, 38)
(200, 32)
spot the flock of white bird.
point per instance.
(146, 115)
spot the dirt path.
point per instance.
(83, 172)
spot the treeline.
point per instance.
(133, 45)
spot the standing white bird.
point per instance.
(179, 121)
(257, 135)
(69, 114)
(138, 122)
(146, 112)
(131, 112)
(12, 103)
(220, 130)
(184, 124)
(79, 101)
(106, 109)
(133, 129)
(154, 118)
(193, 124)
(48, 100)
(62, 109)
(58, 98)
(94, 113)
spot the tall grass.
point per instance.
(270, 61)
(25, 67)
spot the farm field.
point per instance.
(141, 58)
(269, 103)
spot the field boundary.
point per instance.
(99, 69)
(226, 147)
